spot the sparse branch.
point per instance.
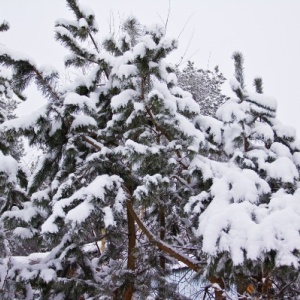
(186, 49)
(239, 67)
(92, 142)
(168, 16)
(258, 84)
(45, 86)
(188, 59)
(94, 42)
(184, 26)
(4, 26)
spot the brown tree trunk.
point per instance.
(103, 240)
(190, 262)
(129, 288)
(264, 285)
(162, 233)
(218, 292)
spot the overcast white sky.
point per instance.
(266, 31)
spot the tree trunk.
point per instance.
(189, 262)
(103, 240)
(129, 288)
(220, 282)
(162, 233)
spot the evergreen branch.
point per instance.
(44, 84)
(75, 61)
(105, 69)
(83, 56)
(239, 68)
(94, 42)
(258, 84)
(92, 142)
(24, 72)
(182, 181)
(67, 40)
(286, 286)
(270, 109)
(191, 263)
(73, 5)
(165, 133)
(20, 95)
(111, 46)
(70, 27)
(4, 26)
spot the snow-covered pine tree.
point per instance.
(59, 128)
(128, 171)
(250, 224)
(153, 123)
(122, 158)
(13, 180)
(204, 85)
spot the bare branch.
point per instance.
(92, 142)
(184, 26)
(189, 58)
(168, 16)
(186, 49)
(188, 261)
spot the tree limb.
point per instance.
(191, 263)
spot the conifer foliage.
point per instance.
(137, 181)
(248, 227)
(100, 200)
(204, 85)
(13, 179)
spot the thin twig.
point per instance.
(186, 49)
(184, 26)
(182, 62)
(168, 16)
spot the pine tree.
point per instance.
(58, 128)
(135, 181)
(109, 138)
(13, 180)
(150, 117)
(204, 85)
(248, 217)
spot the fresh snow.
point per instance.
(82, 120)
(9, 166)
(96, 190)
(285, 131)
(262, 101)
(15, 55)
(24, 122)
(282, 169)
(123, 99)
(108, 217)
(78, 100)
(48, 275)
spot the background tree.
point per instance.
(247, 218)
(204, 85)
(13, 180)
